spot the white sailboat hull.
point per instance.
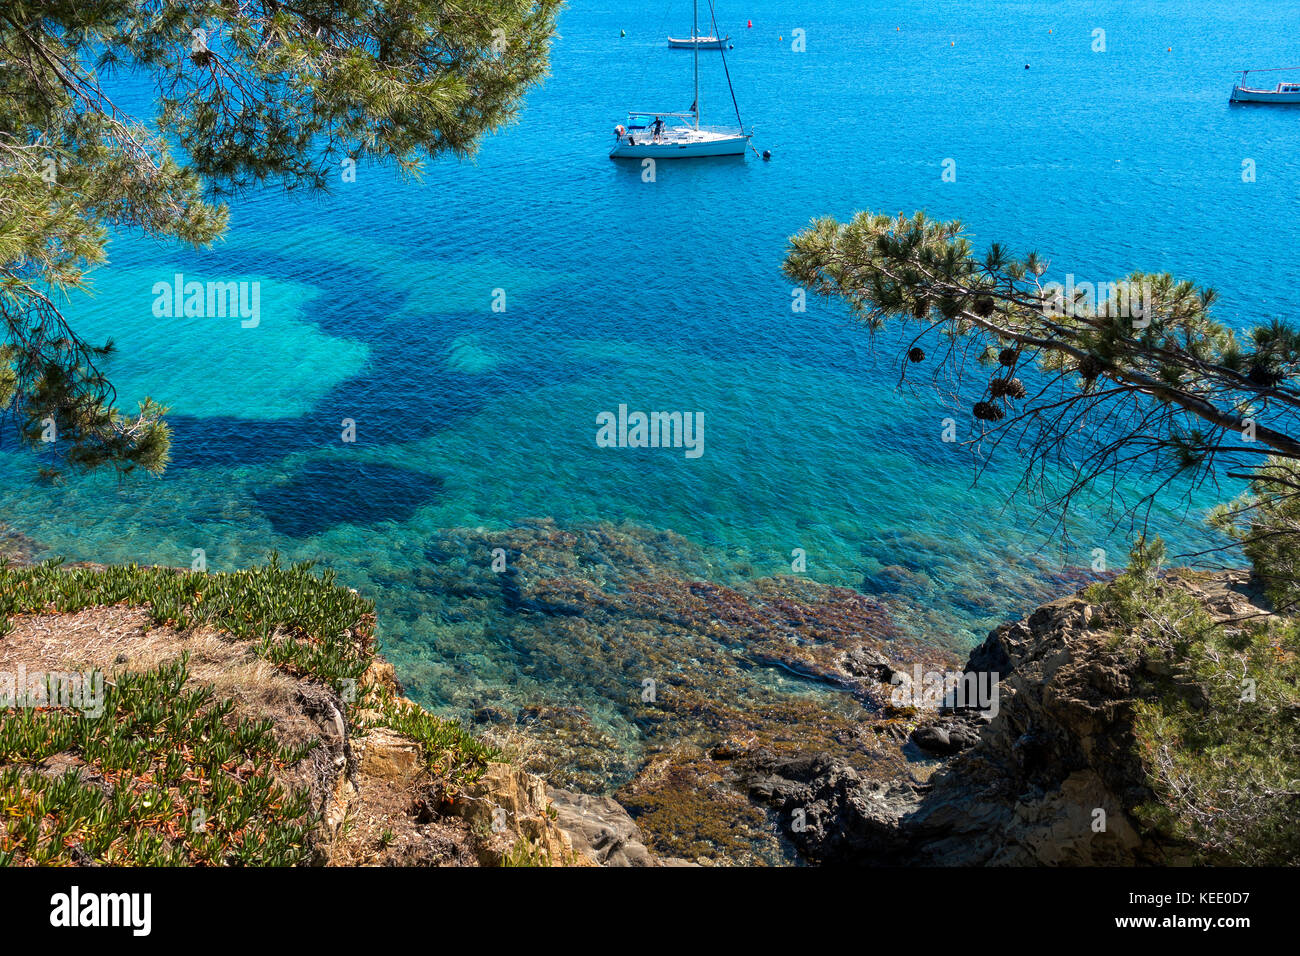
(1240, 95)
(698, 43)
(684, 149)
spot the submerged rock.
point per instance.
(640, 670)
(16, 548)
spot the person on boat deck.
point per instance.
(658, 128)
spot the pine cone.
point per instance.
(1009, 357)
(988, 412)
(1007, 388)
(1261, 373)
(915, 355)
(984, 306)
(1090, 367)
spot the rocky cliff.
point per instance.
(385, 807)
(1054, 778)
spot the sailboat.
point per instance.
(697, 43)
(651, 134)
(1285, 92)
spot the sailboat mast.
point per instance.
(695, 42)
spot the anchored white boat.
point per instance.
(651, 134)
(639, 139)
(1284, 92)
(697, 43)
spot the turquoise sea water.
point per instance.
(377, 306)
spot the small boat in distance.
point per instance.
(697, 43)
(1284, 93)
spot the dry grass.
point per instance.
(112, 639)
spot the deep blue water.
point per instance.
(376, 306)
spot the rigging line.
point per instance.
(713, 17)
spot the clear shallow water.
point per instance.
(376, 306)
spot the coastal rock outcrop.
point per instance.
(399, 814)
(601, 829)
(1052, 779)
(830, 812)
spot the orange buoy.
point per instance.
(749, 24)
